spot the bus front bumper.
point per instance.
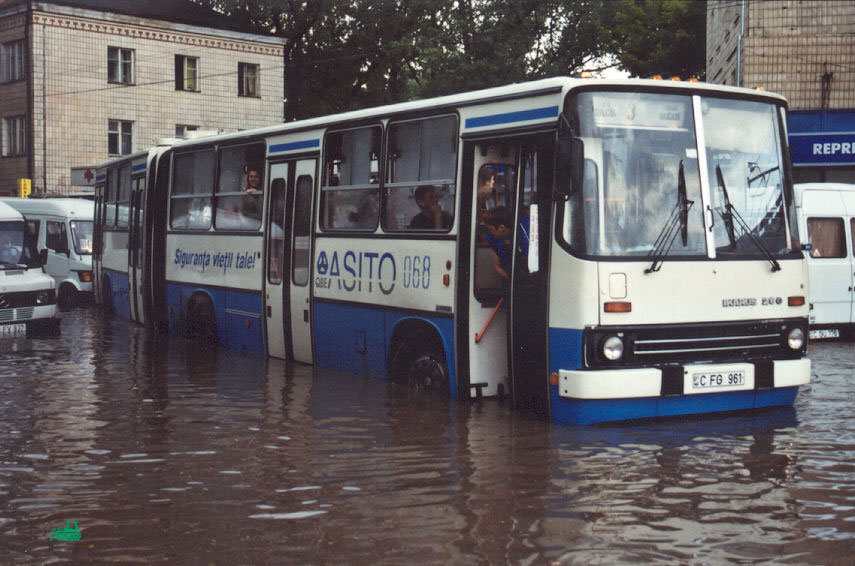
(690, 379)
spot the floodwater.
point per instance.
(167, 453)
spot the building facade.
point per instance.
(84, 81)
(803, 49)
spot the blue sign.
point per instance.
(823, 149)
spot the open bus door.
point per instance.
(507, 338)
(288, 245)
(527, 337)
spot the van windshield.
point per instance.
(81, 233)
(11, 243)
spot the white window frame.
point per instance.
(183, 70)
(244, 88)
(14, 136)
(123, 130)
(13, 61)
(120, 65)
(181, 130)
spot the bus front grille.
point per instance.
(690, 343)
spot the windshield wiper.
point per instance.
(730, 213)
(760, 174)
(678, 221)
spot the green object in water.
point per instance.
(69, 534)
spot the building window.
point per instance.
(247, 79)
(181, 130)
(13, 61)
(120, 65)
(14, 142)
(120, 137)
(186, 73)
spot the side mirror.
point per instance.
(42, 259)
(569, 166)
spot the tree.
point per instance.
(348, 54)
(660, 37)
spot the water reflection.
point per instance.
(168, 452)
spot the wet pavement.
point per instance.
(165, 452)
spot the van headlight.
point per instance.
(45, 297)
(796, 338)
(612, 348)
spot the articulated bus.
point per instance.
(594, 250)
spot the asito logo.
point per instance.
(357, 271)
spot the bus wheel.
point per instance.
(201, 320)
(422, 368)
(67, 297)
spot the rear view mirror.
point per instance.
(42, 259)
(569, 166)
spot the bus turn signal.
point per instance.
(618, 306)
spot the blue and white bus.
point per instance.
(596, 250)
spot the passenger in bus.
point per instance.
(251, 206)
(432, 216)
(499, 240)
(486, 184)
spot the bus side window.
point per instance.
(123, 198)
(239, 195)
(351, 196)
(421, 168)
(111, 193)
(192, 186)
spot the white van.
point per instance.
(63, 226)
(27, 294)
(827, 222)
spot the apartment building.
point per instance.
(83, 81)
(805, 50)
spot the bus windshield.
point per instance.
(745, 172)
(642, 180)
(11, 243)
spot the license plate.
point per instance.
(13, 330)
(735, 377)
(824, 333)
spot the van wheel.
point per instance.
(201, 320)
(420, 365)
(67, 297)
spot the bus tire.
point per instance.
(67, 296)
(420, 365)
(201, 320)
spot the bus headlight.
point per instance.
(613, 348)
(796, 339)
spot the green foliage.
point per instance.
(661, 37)
(348, 54)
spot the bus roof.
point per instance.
(65, 207)
(544, 86)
